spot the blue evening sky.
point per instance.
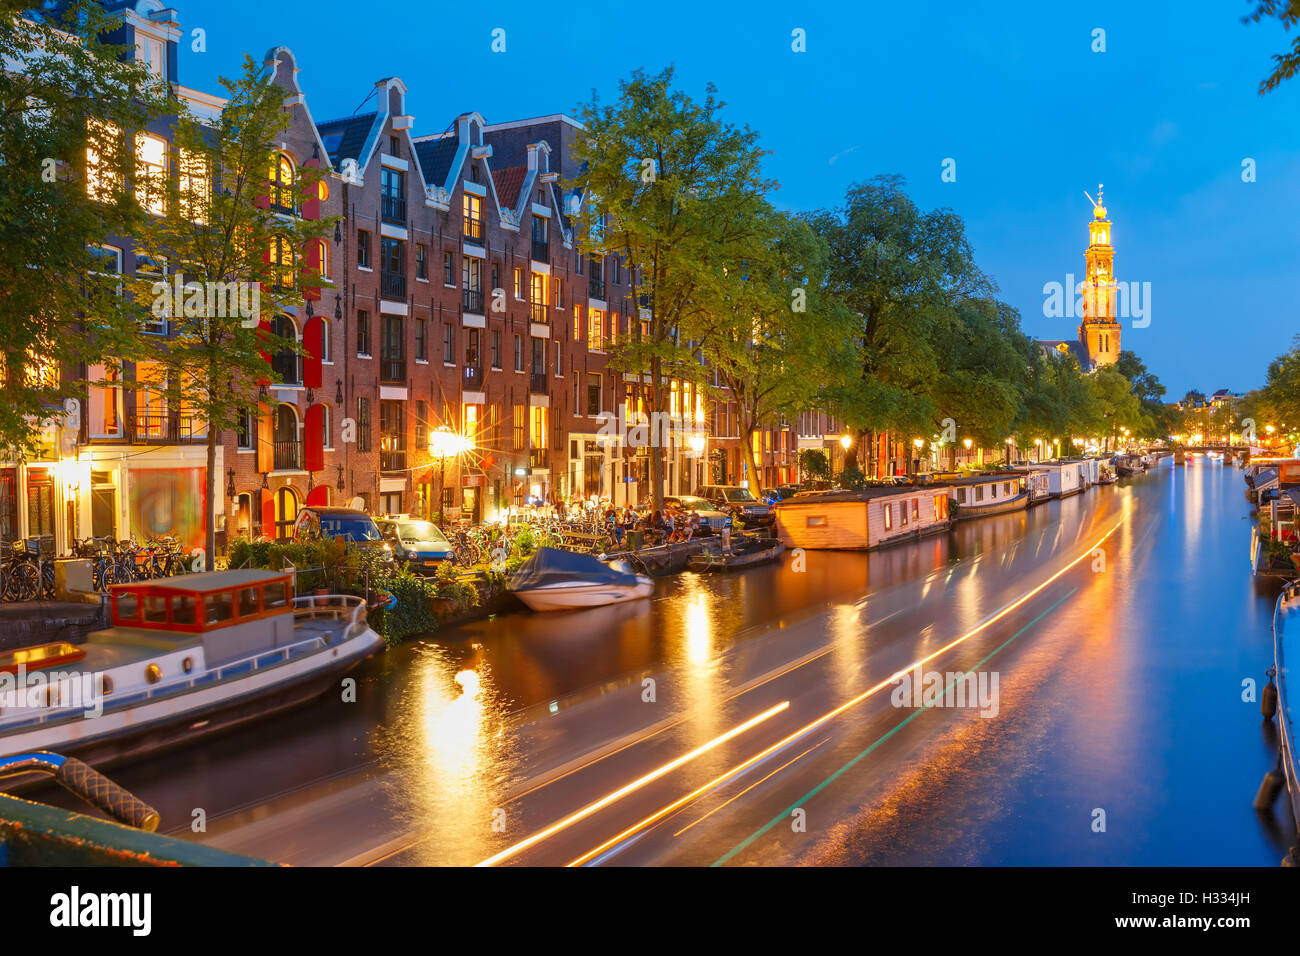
(1011, 91)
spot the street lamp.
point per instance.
(443, 444)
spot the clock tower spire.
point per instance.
(1099, 331)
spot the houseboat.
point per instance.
(990, 494)
(1090, 469)
(1128, 466)
(862, 520)
(1037, 486)
(1064, 478)
(184, 657)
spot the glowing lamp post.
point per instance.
(443, 444)
(697, 446)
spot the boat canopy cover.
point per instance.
(551, 566)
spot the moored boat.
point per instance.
(996, 493)
(184, 657)
(1129, 466)
(555, 580)
(862, 520)
(1286, 648)
(745, 554)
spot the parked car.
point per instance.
(416, 543)
(779, 493)
(741, 502)
(355, 527)
(712, 519)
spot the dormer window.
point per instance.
(152, 52)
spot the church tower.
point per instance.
(1099, 330)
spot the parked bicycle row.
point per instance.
(27, 564)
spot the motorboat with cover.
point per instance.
(555, 580)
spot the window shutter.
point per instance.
(312, 339)
(265, 438)
(311, 270)
(314, 444)
(319, 496)
(268, 513)
(311, 194)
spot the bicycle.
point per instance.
(20, 574)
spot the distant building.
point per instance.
(1098, 342)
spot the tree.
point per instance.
(982, 378)
(901, 271)
(774, 336)
(1285, 65)
(1155, 420)
(1280, 396)
(1114, 405)
(69, 102)
(671, 188)
(1060, 403)
(237, 246)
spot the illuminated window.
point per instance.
(151, 173)
(105, 400)
(538, 421)
(596, 330)
(284, 195)
(517, 427)
(150, 400)
(281, 261)
(102, 177)
(473, 208)
(194, 185)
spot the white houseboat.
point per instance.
(1064, 477)
(185, 657)
(990, 494)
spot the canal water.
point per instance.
(1148, 710)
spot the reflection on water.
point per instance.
(1150, 654)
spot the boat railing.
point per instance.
(337, 607)
(347, 607)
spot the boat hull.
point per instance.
(1018, 503)
(571, 597)
(184, 718)
(734, 562)
(1286, 647)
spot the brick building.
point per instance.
(457, 302)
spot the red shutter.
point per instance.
(311, 195)
(314, 444)
(268, 513)
(312, 335)
(265, 439)
(311, 269)
(319, 496)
